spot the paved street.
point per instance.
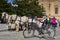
(12, 35)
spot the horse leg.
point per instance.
(17, 27)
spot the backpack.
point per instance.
(46, 21)
(54, 21)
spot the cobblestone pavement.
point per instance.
(12, 35)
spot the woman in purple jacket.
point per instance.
(54, 24)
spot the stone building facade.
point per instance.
(51, 7)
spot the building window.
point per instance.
(56, 10)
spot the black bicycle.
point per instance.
(30, 30)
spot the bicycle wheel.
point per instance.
(28, 33)
(51, 33)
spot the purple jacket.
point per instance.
(54, 20)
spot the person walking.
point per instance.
(54, 25)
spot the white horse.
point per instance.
(9, 18)
(17, 22)
(5, 16)
(12, 24)
(24, 21)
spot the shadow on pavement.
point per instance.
(41, 37)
